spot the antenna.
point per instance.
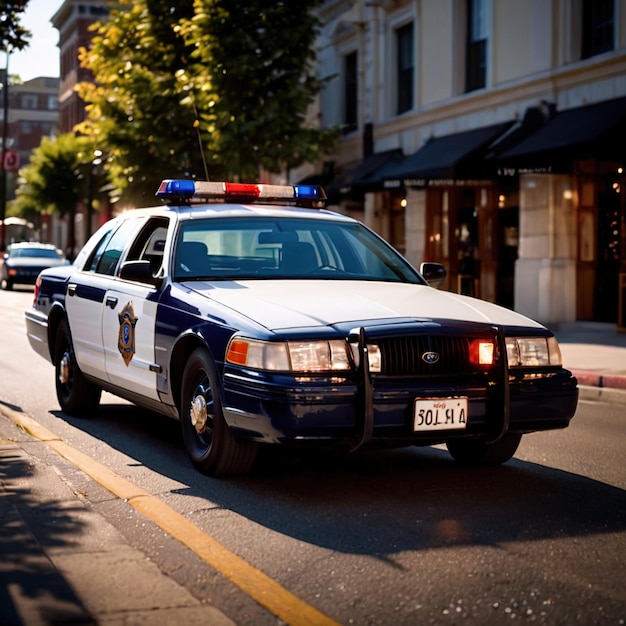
(196, 125)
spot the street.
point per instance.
(381, 537)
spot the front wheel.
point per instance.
(211, 446)
(76, 395)
(478, 452)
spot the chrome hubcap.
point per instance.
(198, 413)
(64, 369)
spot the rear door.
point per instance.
(86, 295)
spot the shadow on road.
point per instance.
(376, 502)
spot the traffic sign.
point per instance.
(11, 160)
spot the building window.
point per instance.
(28, 101)
(598, 27)
(350, 92)
(405, 68)
(53, 103)
(476, 48)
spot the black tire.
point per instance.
(211, 446)
(75, 394)
(477, 452)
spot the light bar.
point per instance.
(304, 195)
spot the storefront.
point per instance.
(571, 174)
(529, 214)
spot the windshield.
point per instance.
(237, 248)
(40, 253)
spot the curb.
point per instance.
(600, 379)
(610, 395)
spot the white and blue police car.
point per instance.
(255, 316)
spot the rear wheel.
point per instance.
(478, 452)
(76, 395)
(211, 446)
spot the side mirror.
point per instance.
(139, 272)
(434, 273)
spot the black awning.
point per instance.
(362, 177)
(458, 156)
(595, 130)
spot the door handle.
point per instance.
(71, 289)
(111, 301)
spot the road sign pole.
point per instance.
(5, 132)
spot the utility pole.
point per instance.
(3, 172)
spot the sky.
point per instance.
(42, 57)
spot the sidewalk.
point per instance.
(62, 562)
(596, 354)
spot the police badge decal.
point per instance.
(126, 337)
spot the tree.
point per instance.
(13, 36)
(53, 180)
(134, 107)
(223, 82)
(253, 80)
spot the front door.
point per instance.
(128, 327)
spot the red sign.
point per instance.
(11, 160)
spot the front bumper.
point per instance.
(285, 409)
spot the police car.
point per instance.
(255, 316)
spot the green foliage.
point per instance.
(233, 76)
(54, 180)
(253, 79)
(134, 108)
(13, 36)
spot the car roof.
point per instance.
(32, 244)
(218, 209)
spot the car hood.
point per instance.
(281, 305)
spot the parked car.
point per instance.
(22, 262)
(255, 316)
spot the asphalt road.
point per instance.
(393, 537)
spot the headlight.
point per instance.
(533, 352)
(289, 356)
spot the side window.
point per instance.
(110, 250)
(150, 244)
(96, 255)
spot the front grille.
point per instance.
(403, 356)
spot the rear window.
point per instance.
(40, 253)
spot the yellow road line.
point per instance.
(259, 586)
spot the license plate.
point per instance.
(440, 414)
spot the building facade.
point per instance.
(487, 135)
(32, 113)
(73, 20)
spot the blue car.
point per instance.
(255, 316)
